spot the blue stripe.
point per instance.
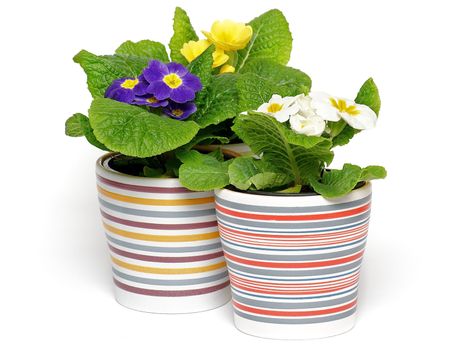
(293, 297)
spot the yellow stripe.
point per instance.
(150, 201)
(161, 238)
(163, 271)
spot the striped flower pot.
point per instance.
(164, 244)
(293, 260)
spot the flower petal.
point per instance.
(366, 119)
(192, 81)
(177, 68)
(160, 90)
(181, 94)
(325, 110)
(155, 71)
(310, 126)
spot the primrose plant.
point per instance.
(292, 138)
(152, 107)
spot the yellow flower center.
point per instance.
(342, 107)
(172, 80)
(177, 112)
(274, 107)
(152, 100)
(129, 83)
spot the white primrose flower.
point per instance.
(310, 126)
(281, 108)
(305, 105)
(334, 108)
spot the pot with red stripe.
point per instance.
(293, 260)
(164, 244)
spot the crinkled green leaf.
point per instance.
(183, 32)
(77, 125)
(148, 49)
(286, 81)
(250, 173)
(102, 70)
(271, 39)
(136, 132)
(368, 95)
(373, 172)
(220, 102)
(202, 66)
(336, 183)
(202, 172)
(253, 91)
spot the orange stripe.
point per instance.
(161, 238)
(150, 201)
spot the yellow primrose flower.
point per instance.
(227, 68)
(194, 49)
(229, 35)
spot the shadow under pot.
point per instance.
(164, 244)
(293, 260)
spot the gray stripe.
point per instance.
(145, 248)
(293, 305)
(291, 210)
(294, 272)
(296, 320)
(157, 214)
(161, 282)
(290, 225)
(275, 257)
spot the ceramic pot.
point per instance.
(164, 244)
(293, 260)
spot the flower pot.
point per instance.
(293, 260)
(164, 245)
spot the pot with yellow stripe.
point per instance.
(164, 245)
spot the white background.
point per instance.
(55, 280)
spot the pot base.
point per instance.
(170, 305)
(294, 331)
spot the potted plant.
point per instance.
(148, 110)
(293, 230)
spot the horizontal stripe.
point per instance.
(291, 273)
(157, 213)
(294, 257)
(170, 293)
(176, 282)
(296, 320)
(168, 271)
(295, 279)
(296, 265)
(139, 188)
(294, 297)
(161, 238)
(151, 201)
(165, 259)
(153, 226)
(287, 313)
(290, 210)
(226, 220)
(293, 305)
(306, 217)
(157, 249)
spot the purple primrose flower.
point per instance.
(171, 81)
(149, 100)
(179, 111)
(126, 89)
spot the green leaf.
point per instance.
(202, 172)
(148, 49)
(202, 66)
(102, 70)
(77, 125)
(220, 103)
(271, 39)
(136, 132)
(336, 183)
(269, 138)
(344, 136)
(373, 172)
(183, 32)
(252, 91)
(286, 81)
(248, 173)
(90, 137)
(368, 95)
(152, 172)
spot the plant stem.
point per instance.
(211, 148)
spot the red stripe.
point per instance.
(289, 265)
(159, 226)
(295, 313)
(167, 259)
(139, 188)
(323, 216)
(170, 293)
